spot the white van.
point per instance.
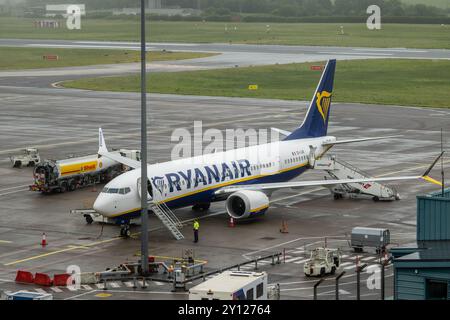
(232, 285)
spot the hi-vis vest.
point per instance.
(196, 225)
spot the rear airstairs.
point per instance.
(167, 217)
(338, 169)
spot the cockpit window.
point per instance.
(117, 191)
(124, 190)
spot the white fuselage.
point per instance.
(186, 182)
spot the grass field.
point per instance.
(392, 35)
(31, 58)
(398, 82)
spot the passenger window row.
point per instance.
(296, 159)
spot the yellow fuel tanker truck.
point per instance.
(70, 174)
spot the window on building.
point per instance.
(437, 290)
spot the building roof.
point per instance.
(427, 251)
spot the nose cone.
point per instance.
(101, 205)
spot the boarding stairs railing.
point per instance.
(339, 170)
(167, 217)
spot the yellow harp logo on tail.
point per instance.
(323, 103)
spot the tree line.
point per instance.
(283, 8)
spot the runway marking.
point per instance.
(290, 241)
(401, 50)
(368, 258)
(345, 264)
(80, 295)
(38, 290)
(356, 53)
(350, 267)
(39, 256)
(16, 187)
(327, 286)
(103, 295)
(11, 192)
(130, 134)
(301, 261)
(293, 259)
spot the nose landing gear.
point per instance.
(125, 231)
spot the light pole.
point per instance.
(144, 180)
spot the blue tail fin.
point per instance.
(315, 123)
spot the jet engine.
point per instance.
(247, 204)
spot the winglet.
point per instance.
(101, 142)
(426, 176)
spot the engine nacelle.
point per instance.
(247, 204)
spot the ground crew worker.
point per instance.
(196, 227)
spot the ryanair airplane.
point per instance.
(245, 178)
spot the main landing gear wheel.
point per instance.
(89, 219)
(201, 207)
(125, 231)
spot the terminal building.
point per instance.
(422, 270)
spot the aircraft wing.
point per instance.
(286, 133)
(300, 184)
(103, 151)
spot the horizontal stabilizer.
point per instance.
(358, 140)
(281, 131)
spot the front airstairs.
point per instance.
(167, 217)
(339, 169)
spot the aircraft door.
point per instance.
(149, 189)
(312, 156)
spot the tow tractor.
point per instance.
(30, 157)
(323, 261)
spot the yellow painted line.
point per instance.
(5, 241)
(70, 248)
(103, 295)
(174, 258)
(39, 256)
(79, 247)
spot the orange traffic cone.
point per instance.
(231, 224)
(284, 228)
(44, 240)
